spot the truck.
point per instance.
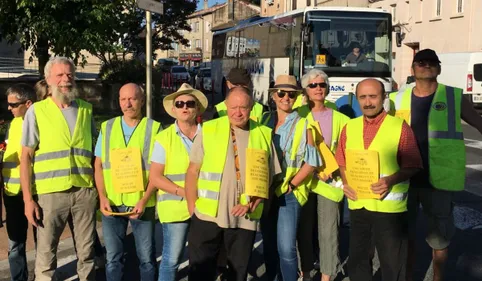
(297, 41)
(463, 70)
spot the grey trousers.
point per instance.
(328, 228)
(56, 207)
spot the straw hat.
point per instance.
(286, 83)
(185, 89)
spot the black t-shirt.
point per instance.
(420, 108)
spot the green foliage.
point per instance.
(101, 27)
(125, 71)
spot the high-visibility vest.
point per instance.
(446, 147)
(295, 162)
(61, 160)
(386, 144)
(113, 138)
(11, 158)
(256, 112)
(215, 143)
(332, 190)
(170, 207)
(299, 103)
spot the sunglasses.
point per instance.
(314, 85)
(291, 94)
(189, 104)
(425, 63)
(16, 104)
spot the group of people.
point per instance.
(214, 184)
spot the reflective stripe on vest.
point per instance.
(113, 138)
(215, 142)
(11, 158)
(171, 207)
(446, 147)
(62, 159)
(386, 143)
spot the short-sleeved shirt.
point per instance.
(408, 155)
(228, 189)
(159, 152)
(30, 136)
(126, 129)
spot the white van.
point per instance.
(463, 70)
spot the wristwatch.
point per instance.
(292, 186)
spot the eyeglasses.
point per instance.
(314, 85)
(16, 104)
(291, 94)
(189, 104)
(425, 63)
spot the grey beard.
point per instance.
(65, 98)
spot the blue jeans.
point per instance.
(174, 242)
(288, 217)
(114, 229)
(17, 226)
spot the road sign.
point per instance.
(151, 5)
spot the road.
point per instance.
(465, 252)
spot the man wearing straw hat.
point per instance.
(120, 204)
(223, 215)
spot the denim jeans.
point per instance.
(17, 226)
(288, 217)
(114, 229)
(174, 242)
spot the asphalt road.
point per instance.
(465, 252)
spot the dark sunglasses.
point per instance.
(291, 94)
(16, 104)
(425, 63)
(314, 85)
(189, 104)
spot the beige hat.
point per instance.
(286, 83)
(185, 89)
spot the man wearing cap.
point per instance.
(223, 215)
(169, 162)
(435, 113)
(239, 77)
(135, 133)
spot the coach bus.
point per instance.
(297, 41)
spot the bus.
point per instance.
(297, 41)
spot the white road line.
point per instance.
(473, 143)
(477, 167)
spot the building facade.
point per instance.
(446, 26)
(275, 7)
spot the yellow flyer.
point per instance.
(120, 214)
(257, 173)
(362, 170)
(329, 162)
(404, 114)
(126, 169)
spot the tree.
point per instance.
(101, 27)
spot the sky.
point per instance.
(200, 3)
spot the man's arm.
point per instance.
(470, 115)
(192, 175)
(99, 183)
(32, 210)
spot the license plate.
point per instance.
(477, 97)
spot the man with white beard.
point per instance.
(56, 173)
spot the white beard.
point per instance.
(65, 98)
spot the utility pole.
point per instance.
(148, 64)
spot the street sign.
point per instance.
(151, 5)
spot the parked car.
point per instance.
(179, 73)
(203, 79)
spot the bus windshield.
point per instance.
(349, 44)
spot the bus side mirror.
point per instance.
(306, 34)
(398, 35)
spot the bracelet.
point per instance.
(177, 189)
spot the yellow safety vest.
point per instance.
(331, 190)
(170, 207)
(142, 138)
(295, 162)
(386, 144)
(11, 158)
(215, 142)
(299, 103)
(446, 147)
(256, 112)
(61, 160)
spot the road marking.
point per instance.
(477, 167)
(473, 143)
